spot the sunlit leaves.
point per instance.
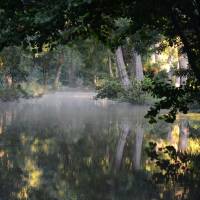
(174, 99)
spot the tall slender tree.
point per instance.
(137, 64)
(122, 68)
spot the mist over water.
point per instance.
(66, 144)
(72, 110)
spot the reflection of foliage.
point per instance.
(13, 93)
(176, 169)
(172, 165)
(50, 164)
(159, 129)
(42, 160)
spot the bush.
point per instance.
(135, 94)
(32, 89)
(10, 94)
(111, 89)
(22, 90)
(162, 76)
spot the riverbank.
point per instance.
(35, 90)
(23, 90)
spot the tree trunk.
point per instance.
(183, 135)
(58, 71)
(155, 55)
(183, 64)
(8, 81)
(1, 124)
(137, 64)
(45, 76)
(71, 71)
(169, 135)
(193, 56)
(121, 145)
(139, 134)
(110, 66)
(122, 69)
(170, 66)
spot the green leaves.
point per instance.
(172, 99)
(110, 89)
(172, 164)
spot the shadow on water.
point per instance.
(69, 146)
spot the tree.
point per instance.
(55, 20)
(122, 68)
(60, 21)
(137, 64)
(58, 69)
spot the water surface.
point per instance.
(69, 146)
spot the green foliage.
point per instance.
(36, 23)
(172, 164)
(111, 89)
(15, 63)
(78, 64)
(174, 99)
(135, 94)
(22, 90)
(94, 55)
(11, 94)
(162, 75)
(32, 89)
(175, 169)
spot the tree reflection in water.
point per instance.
(79, 150)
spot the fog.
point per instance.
(72, 111)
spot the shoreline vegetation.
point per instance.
(35, 90)
(23, 90)
(135, 94)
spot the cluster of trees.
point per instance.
(39, 23)
(77, 64)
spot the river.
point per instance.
(68, 146)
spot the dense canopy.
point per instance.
(52, 21)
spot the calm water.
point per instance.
(67, 146)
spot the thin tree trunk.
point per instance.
(137, 64)
(139, 134)
(155, 55)
(71, 71)
(183, 64)
(169, 135)
(122, 68)
(45, 78)
(1, 124)
(116, 72)
(170, 66)
(8, 81)
(45, 74)
(110, 66)
(58, 71)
